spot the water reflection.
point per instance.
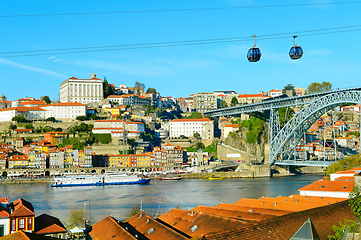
(117, 200)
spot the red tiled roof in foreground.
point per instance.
(21, 208)
(144, 223)
(46, 224)
(109, 228)
(284, 227)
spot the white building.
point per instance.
(274, 93)
(4, 217)
(30, 113)
(188, 127)
(82, 90)
(205, 102)
(132, 100)
(116, 127)
(65, 111)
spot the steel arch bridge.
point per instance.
(284, 140)
(287, 138)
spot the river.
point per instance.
(118, 200)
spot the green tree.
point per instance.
(319, 87)
(195, 115)
(223, 104)
(76, 218)
(347, 163)
(51, 119)
(81, 118)
(28, 126)
(196, 135)
(339, 230)
(234, 101)
(199, 145)
(289, 87)
(46, 99)
(19, 119)
(133, 211)
(12, 126)
(94, 117)
(151, 90)
(107, 88)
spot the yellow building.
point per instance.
(143, 160)
(68, 162)
(81, 157)
(18, 161)
(31, 158)
(118, 160)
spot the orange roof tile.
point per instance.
(329, 186)
(110, 228)
(144, 223)
(46, 224)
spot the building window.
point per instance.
(13, 224)
(21, 223)
(30, 223)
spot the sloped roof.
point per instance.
(153, 229)
(109, 228)
(284, 227)
(46, 224)
(237, 214)
(329, 186)
(198, 223)
(4, 212)
(22, 207)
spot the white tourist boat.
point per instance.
(97, 180)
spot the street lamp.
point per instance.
(84, 210)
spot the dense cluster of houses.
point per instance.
(46, 154)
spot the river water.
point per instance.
(101, 201)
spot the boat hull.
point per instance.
(99, 183)
(170, 178)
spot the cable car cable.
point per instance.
(179, 10)
(168, 44)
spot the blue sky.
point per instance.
(182, 70)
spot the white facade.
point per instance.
(117, 126)
(65, 111)
(325, 194)
(5, 223)
(188, 127)
(82, 90)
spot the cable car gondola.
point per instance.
(254, 53)
(296, 51)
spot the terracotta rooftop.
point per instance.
(237, 214)
(153, 229)
(329, 186)
(21, 207)
(284, 227)
(198, 223)
(46, 224)
(110, 228)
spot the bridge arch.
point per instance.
(290, 135)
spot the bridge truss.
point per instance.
(283, 141)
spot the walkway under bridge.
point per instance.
(283, 141)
